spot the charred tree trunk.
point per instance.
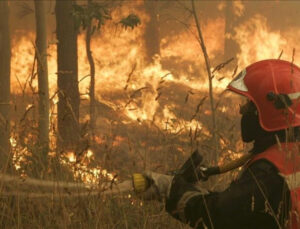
(92, 76)
(152, 40)
(42, 69)
(67, 78)
(5, 55)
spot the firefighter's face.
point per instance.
(250, 126)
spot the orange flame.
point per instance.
(255, 38)
(257, 41)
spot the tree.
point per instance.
(152, 41)
(42, 69)
(67, 76)
(210, 78)
(91, 17)
(84, 17)
(231, 48)
(5, 54)
(88, 37)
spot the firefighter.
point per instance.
(266, 194)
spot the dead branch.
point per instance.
(137, 91)
(28, 80)
(84, 77)
(188, 95)
(186, 98)
(234, 71)
(157, 97)
(19, 82)
(280, 54)
(164, 76)
(198, 107)
(292, 62)
(26, 112)
(129, 101)
(161, 82)
(130, 75)
(222, 65)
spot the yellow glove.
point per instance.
(152, 186)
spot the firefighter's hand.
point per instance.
(159, 186)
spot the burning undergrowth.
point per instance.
(135, 130)
(145, 112)
(148, 115)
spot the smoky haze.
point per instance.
(152, 101)
(280, 15)
(132, 82)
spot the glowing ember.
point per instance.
(229, 156)
(20, 154)
(89, 153)
(13, 142)
(71, 157)
(82, 170)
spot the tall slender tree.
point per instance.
(152, 41)
(67, 76)
(231, 48)
(91, 17)
(210, 78)
(89, 31)
(42, 69)
(5, 54)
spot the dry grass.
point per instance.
(124, 149)
(86, 212)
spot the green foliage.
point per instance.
(131, 21)
(85, 14)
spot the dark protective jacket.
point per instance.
(286, 158)
(259, 198)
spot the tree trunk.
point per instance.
(152, 41)
(67, 76)
(4, 83)
(42, 69)
(231, 48)
(92, 75)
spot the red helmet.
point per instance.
(274, 87)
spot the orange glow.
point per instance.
(186, 46)
(118, 140)
(116, 51)
(238, 8)
(82, 170)
(257, 41)
(19, 153)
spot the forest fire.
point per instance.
(151, 79)
(107, 97)
(80, 168)
(123, 69)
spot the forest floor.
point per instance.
(124, 146)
